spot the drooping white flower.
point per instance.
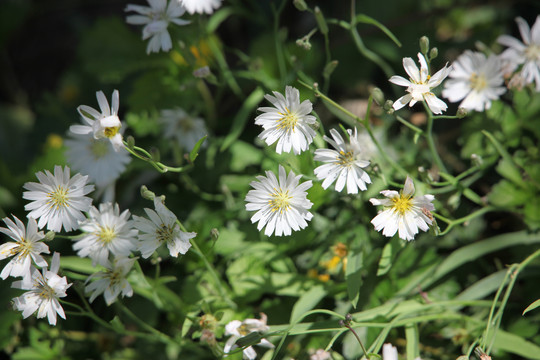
(179, 125)
(288, 122)
(58, 200)
(420, 85)
(344, 164)
(156, 19)
(525, 54)
(237, 329)
(161, 228)
(104, 125)
(281, 205)
(475, 79)
(44, 289)
(26, 248)
(111, 282)
(403, 212)
(106, 231)
(389, 352)
(200, 6)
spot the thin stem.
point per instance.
(452, 223)
(431, 144)
(357, 338)
(162, 168)
(158, 334)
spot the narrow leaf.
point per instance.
(369, 20)
(533, 306)
(307, 302)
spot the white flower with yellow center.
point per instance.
(156, 19)
(525, 54)
(237, 329)
(104, 124)
(186, 129)
(288, 122)
(200, 6)
(475, 79)
(44, 290)
(403, 212)
(344, 164)
(27, 247)
(162, 228)
(58, 200)
(281, 205)
(111, 282)
(420, 85)
(106, 231)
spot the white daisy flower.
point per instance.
(161, 228)
(200, 6)
(420, 84)
(58, 200)
(96, 158)
(26, 248)
(288, 122)
(156, 19)
(476, 80)
(403, 212)
(281, 205)
(111, 282)
(344, 164)
(525, 54)
(187, 130)
(44, 290)
(101, 125)
(237, 329)
(106, 231)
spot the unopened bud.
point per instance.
(433, 53)
(214, 233)
(147, 194)
(378, 96)
(424, 45)
(389, 106)
(329, 68)
(154, 153)
(461, 113)
(300, 5)
(49, 236)
(304, 43)
(130, 142)
(321, 22)
(477, 160)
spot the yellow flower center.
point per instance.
(345, 158)
(532, 52)
(478, 82)
(288, 121)
(106, 235)
(280, 201)
(164, 233)
(58, 198)
(402, 204)
(109, 132)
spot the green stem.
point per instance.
(157, 334)
(162, 168)
(452, 223)
(431, 143)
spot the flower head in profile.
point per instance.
(111, 282)
(475, 79)
(288, 122)
(344, 164)
(26, 248)
(161, 228)
(420, 84)
(237, 329)
(524, 53)
(156, 19)
(281, 205)
(200, 6)
(44, 290)
(104, 124)
(403, 212)
(186, 129)
(106, 231)
(58, 200)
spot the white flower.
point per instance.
(27, 247)
(320, 354)
(200, 6)
(287, 122)
(96, 158)
(476, 80)
(44, 290)
(344, 164)
(403, 212)
(389, 352)
(58, 200)
(526, 53)
(101, 125)
(161, 228)
(106, 230)
(281, 205)
(185, 129)
(237, 329)
(420, 84)
(156, 19)
(111, 282)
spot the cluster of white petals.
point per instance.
(237, 329)
(111, 282)
(200, 6)
(186, 129)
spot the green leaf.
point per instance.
(219, 16)
(250, 339)
(307, 302)
(353, 275)
(243, 155)
(195, 151)
(117, 324)
(411, 334)
(483, 287)
(78, 264)
(506, 194)
(508, 169)
(389, 251)
(514, 344)
(369, 20)
(533, 306)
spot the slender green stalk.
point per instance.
(162, 168)
(429, 138)
(156, 333)
(452, 223)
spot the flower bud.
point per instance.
(130, 142)
(329, 68)
(388, 106)
(424, 45)
(300, 5)
(433, 53)
(477, 160)
(321, 22)
(304, 43)
(147, 194)
(461, 113)
(49, 235)
(214, 233)
(378, 96)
